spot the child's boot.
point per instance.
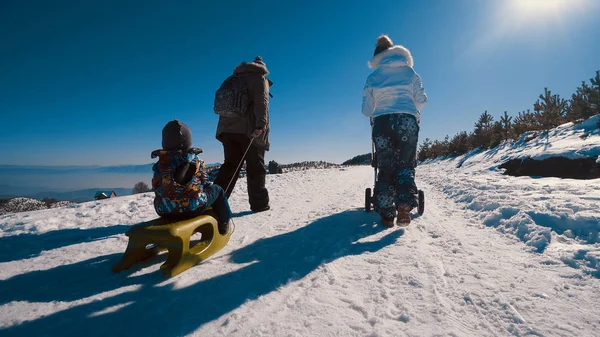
(389, 223)
(403, 218)
(223, 227)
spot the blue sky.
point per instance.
(93, 82)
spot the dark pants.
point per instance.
(216, 199)
(395, 137)
(234, 146)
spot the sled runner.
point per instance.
(147, 239)
(369, 192)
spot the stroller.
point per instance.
(369, 192)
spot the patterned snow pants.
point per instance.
(395, 137)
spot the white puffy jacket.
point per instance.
(394, 86)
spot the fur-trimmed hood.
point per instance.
(252, 67)
(396, 54)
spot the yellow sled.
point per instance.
(149, 238)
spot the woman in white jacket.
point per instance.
(393, 98)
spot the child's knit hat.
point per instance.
(176, 136)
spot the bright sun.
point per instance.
(535, 21)
(537, 7)
(537, 10)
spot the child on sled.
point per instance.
(182, 190)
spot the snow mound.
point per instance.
(570, 140)
(544, 213)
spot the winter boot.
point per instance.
(223, 227)
(260, 209)
(403, 218)
(389, 223)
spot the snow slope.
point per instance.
(573, 141)
(317, 265)
(552, 215)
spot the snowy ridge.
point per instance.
(15, 205)
(569, 140)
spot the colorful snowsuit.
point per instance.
(172, 197)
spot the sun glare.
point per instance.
(519, 18)
(538, 22)
(538, 8)
(542, 10)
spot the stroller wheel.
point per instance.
(368, 200)
(421, 207)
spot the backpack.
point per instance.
(231, 99)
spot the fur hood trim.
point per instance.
(395, 50)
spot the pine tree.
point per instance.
(524, 122)
(483, 130)
(460, 144)
(446, 146)
(550, 109)
(580, 106)
(497, 134)
(585, 102)
(593, 95)
(506, 121)
(484, 122)
(424, 150)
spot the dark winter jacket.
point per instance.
(254, 74)
(178, 181)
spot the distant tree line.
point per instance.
(274, 167)
(305, 165)
(22, 204)
(549, 111)
(363, 159)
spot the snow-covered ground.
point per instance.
(317, 265)
(560, 217)
(493, 255)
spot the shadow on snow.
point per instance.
(162, 310)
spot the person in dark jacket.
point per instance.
(249, 132)
(181, 188)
